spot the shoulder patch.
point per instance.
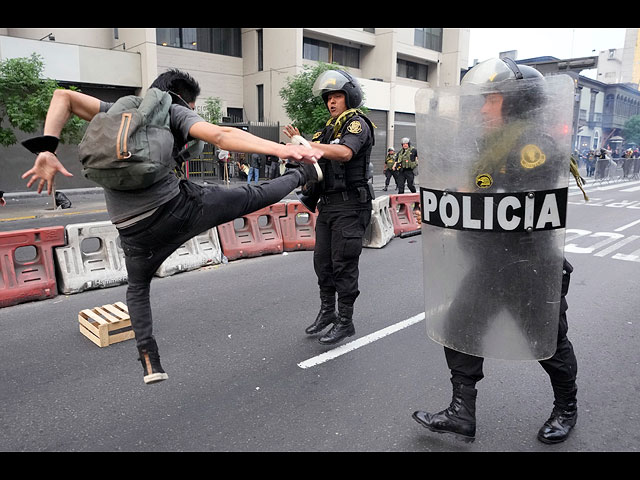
(355, 127)
(531, 156)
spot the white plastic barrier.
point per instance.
(379, 232)
(200, 251)
(91, 259)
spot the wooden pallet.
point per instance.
(106, 325)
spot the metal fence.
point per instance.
(610, 170)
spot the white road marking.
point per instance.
(624, 227)
(360, 342)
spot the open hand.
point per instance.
(290, 131)
(45, 169)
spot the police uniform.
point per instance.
(344, 208)
(505, 156)
(508, 156)
(406, 162)
(389, 171)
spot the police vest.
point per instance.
(390, 160)
(342, 176)
(404, 157)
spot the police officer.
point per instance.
(389, 170)
(406, 161)
(507, 151)
(344, 202)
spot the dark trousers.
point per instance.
(406, 175)
(388, 173)
(339, 232)
(562, 367)
(194, 210)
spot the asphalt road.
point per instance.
(243, 376)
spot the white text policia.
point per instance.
(496, 212)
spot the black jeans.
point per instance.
(194, 210)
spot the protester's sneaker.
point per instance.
(150, 360)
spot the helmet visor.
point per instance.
(489, 71)
(329, 81)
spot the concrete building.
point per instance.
(247, 67)
(621, 65)
(600, 108)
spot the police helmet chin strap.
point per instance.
(513, 66)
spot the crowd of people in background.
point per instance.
(589, 158)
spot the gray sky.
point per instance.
(537, 42)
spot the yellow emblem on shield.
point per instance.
(484, 180)
(354, 127)
(531, 156)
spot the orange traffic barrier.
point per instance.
(259, 233)
(298, 227)
(401, 208)
(27, 269)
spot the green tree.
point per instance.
(213, 110)
(631, 130)
(307, 113)
(25, 98)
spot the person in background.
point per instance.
(406, 163)
(388, 169)
(254, 168)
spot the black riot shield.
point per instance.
(494, 196)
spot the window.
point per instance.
(235, 114)
(261, 103)
(321, 51)
(430, 38)
(315, 50)
(223, 41)
(260, 51)
(347, 56)
(412, 70)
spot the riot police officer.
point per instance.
(389, 171)
(406, 162)
(343, 200)
(509, 150)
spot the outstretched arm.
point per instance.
(64, 103)
(236, 140)
(339, 153)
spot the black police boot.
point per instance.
(342, 328)
(459, 418)
(384, 189)
(557, 428)
(564, 415)
(326, 315)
